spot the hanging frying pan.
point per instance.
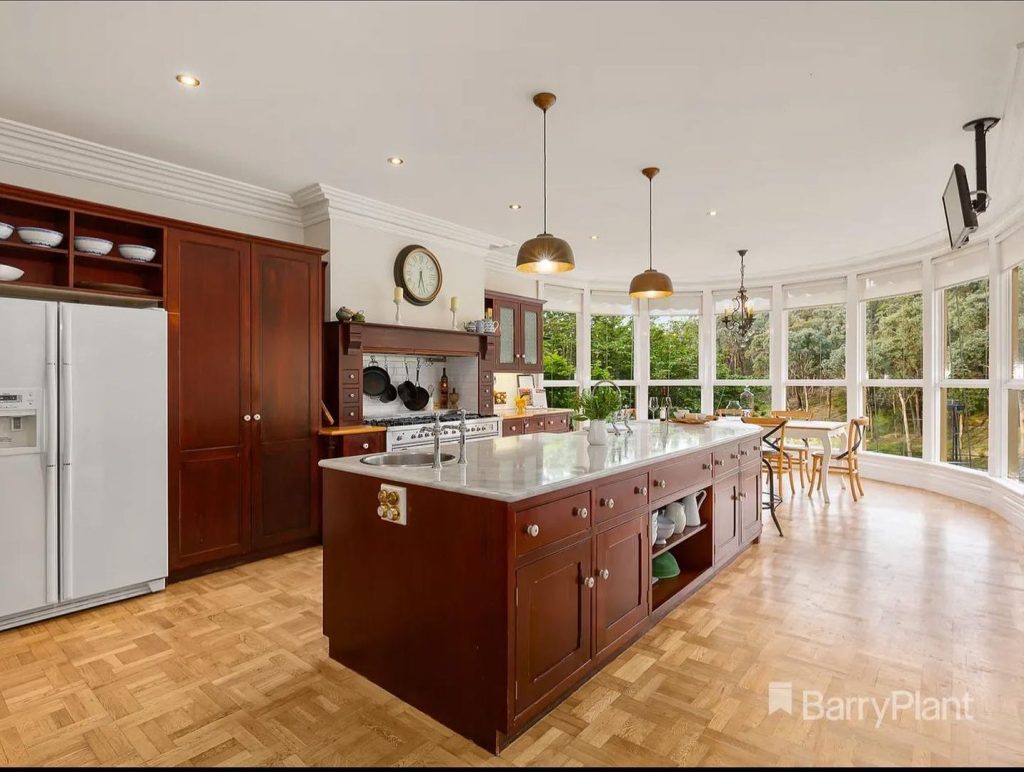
(406, 389)
(390, 394)
(422, 398)
(375, 379)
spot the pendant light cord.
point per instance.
(545, 171)
(650, 224)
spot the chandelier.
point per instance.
(740, 317)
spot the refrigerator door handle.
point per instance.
(50, 457)
(66, 424)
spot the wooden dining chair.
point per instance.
(774, 449)
(798, 448)
(770, 442)
(846, 463)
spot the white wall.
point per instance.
(511, 282)
(362, 277)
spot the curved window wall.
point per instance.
(931, 351)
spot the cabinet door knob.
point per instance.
(733, 456)
(247, 417)
(743, 453)
(662, 483)
(610, 503)
(256, 417)
(743, 494)
(641, 490)
(705, 467)
(589, 582)
(604, 573)
(366, 446)
(533, 530)
(582, 512)
(719, 462)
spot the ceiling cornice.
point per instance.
(54, 152)
(319, 202)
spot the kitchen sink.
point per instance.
(404, 459)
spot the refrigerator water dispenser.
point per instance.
(20, 422)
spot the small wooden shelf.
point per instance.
(20, 247)
(664, 590)
(676, 539)
(33, 291)
(111, 259)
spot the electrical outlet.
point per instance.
(391, 504)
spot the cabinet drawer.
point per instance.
(351, 395)
(726, 460)
(539, 526)
(352, 414)
(558, 422)
(512, 427)
(486, 377)
(619, 497)
(359, 444)
(533, 424)
(750, 451)
(486, 406)
(688, 472)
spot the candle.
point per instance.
(399, 294)
(455, 304)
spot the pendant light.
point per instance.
(740, 317)
(650, 283)
(545, 253)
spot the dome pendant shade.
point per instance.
(545, 254)
(651, 284)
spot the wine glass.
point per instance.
(667, 402)
(653, 405)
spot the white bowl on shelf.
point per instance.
(5, 231)
(40, 237)
(10, 273)
(92, 245)
(136, 252)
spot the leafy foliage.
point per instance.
(559, 346)
(817, 343)
(674, 348)
(611, 347)
(598, 404)
(966, 311)
(739, 358)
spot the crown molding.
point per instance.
(51, 151)
(319, 202)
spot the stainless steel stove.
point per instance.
(415, 431)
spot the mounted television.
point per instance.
(961, 220)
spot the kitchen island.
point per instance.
(484, 593)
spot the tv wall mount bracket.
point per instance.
(979, 127)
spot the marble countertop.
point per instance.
(516, 468)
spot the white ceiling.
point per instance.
(818, 131)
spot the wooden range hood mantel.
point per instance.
(367, 337)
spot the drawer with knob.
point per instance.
(686, 473)
(513, 427)
(617, 498)
(548, 523)
(725, 460)
(750, 452)
(360, 444)
(534, 424)
(557, 422)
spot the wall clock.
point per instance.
(418, 273)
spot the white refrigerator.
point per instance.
(83, 456)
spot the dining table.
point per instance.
(824, 432)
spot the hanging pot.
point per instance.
(406, 389)
(375, 379)
(421, 397)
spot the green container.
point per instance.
(665, 566)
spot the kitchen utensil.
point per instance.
(5, 231)
(691, 504)
(390, 393)
(10, 273)
(375, 379)
(665, 529)
(136, 252)
(677, 514)
(422, 396)
(93, 246)
(107, 286)
(406, 389)
(665, 566)
(40, 237)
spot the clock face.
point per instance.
(418, 273)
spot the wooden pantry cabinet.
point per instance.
(244, 393)
(520, 337)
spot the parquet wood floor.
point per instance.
(903, 590)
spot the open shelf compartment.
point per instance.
(693, 550)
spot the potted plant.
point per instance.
(598, 405)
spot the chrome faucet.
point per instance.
(625, 420)
(462, 436)
(615, 415)
(436, 433)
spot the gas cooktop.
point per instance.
(414, 420)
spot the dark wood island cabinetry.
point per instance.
(484, 594)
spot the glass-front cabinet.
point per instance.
(520, 332)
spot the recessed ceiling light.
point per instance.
(595, 237)
(187, 80)
(395, 160)
(515, 206)
(712, 213)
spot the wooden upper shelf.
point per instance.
(360, 337)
